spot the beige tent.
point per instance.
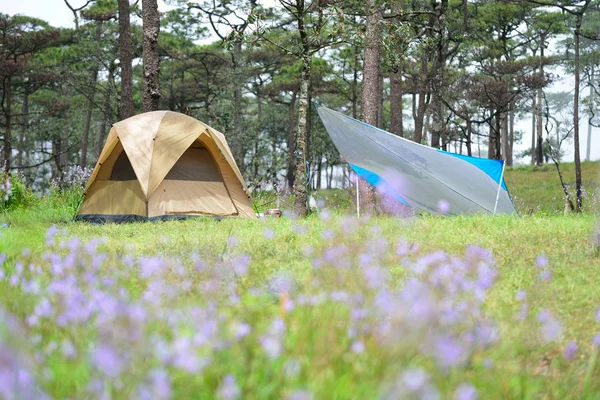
(164, 164)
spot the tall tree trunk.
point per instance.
(469, 140)
(151, 59)
(291, 141)
(23, 130)
(125, 59)
(420, 116)
(511, 136)
(533, 130)
(380, 89)
(492, 139)
(355, 82)
(540, 121)
(7, 123)
(497, 133)
(589, 132)
(107, 114)
(504, 134)
(579, 190)
(90, 103)
(300, 206)
(436, 124)
(371, 93)
(319, 165)
(396, 92)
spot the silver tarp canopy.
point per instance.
(419, 176)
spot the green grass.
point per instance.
(539, 188)
(523, 366)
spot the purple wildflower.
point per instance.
(550, 327)
(541, 261)
(358, 347)
(107, 361)
(596, 340)
(269, 234)
(465, 391)
(299, 395)
(50, 233)
(570, 350)
(272, 346)
(229, 389)
(449, 352)
(443, 206)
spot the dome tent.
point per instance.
(162, 165)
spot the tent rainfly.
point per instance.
(428, 176)
(163, 165)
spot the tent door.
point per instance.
(194, 186)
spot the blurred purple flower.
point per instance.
(299, 395)
(449, 352)
(570, 350)
(443, 206)
(269, 234)
(229, 389)
(242, 330)
(596, 340)
(521, 295)
(50, 234)
(465, 391)
(150, 267)
(357, 347)
(550, 327)
(272, 346)
(545, 275)
(107, 361)
(541, 261)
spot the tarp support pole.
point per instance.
(357, 199)
(499, 186)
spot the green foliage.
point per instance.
(18, 194)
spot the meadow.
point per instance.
(325, 307)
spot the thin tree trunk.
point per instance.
(589, 132)
(106, 117)
(533, 131)
(90, 103)
(469, 140)
(492, 139)
(511, 134)
(504, 134)
(497, 133)
(151, 67)
(540, 122)
(579, 189)
(7, 124)
(300, 206)
(396, 91)
(291, 142)
(125, 59)
(23, 130)
(380, 105)
(319, 163)
(436, 124)
(419, 120)
(355, 83)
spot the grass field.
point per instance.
(326, 307)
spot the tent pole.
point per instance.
(357, 199)
(499, 186)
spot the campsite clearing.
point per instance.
(518, 363)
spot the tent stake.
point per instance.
(357, 199)
(499, 186)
